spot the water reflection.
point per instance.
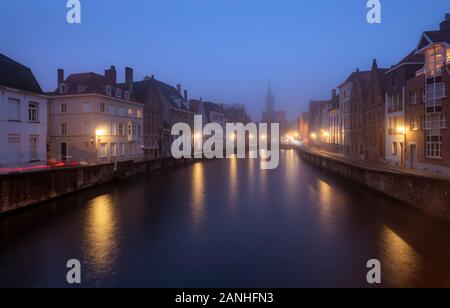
(400, 260)
(233, 181)
(101, 234)
(198, 198)
(327, 205)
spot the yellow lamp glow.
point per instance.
(100, 132)
(314, 136)
(401, 130)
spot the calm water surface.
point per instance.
(225, 223)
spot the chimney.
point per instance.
(374, 65)
(111, 75)
(60, 77)
(179, 89)
(129, 79)
(186, 95)
(445, 25)
(357, 70)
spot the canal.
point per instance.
(225, 223)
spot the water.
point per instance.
(226, 223)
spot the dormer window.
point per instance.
(127, 95)
(82, 88)
(63, 88)
(108, 90)
(118, 93)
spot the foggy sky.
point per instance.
(221, 50)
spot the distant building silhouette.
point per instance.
(270, 115)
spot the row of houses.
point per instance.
(395, 115)
(93, 118)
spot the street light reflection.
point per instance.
(101, 234)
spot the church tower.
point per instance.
(270, 100)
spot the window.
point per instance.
(118, 93)
(113, 129)
(63, 108)
(63, 129)
(121, 130)
(13, 109)
(108, 90)
(434, 60)
(138, 130)
(131, 148)
(434, 146)
(448, 55)
(113, 149)
(130, 112)
(139, 113)
(442, 121)
(102, 107)
(33, 112)
(414, 98)
(63, 88)
(82, 88)
(127, 95)
(394, 149)
(86, 107)
(414, 125)
(13, 148)
(112, 109)
(34, 148)
(122, 149)
(103, 150)
(87, 128)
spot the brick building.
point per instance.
(428, 105)
(396, 97)
(367, 114)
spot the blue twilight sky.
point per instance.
(221, 50)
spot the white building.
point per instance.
(23, 116)
(95, 120)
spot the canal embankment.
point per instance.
(427, 193)
(21, 190)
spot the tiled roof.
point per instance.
(17, 76)
(439, 36)
(88, 83)
(169, 92)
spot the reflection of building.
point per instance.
(93, 119)
(270, 115)
(396, 96)
(428, 105)
(23, 115)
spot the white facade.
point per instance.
(395, 128)
(94, 128)
(23, 127)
